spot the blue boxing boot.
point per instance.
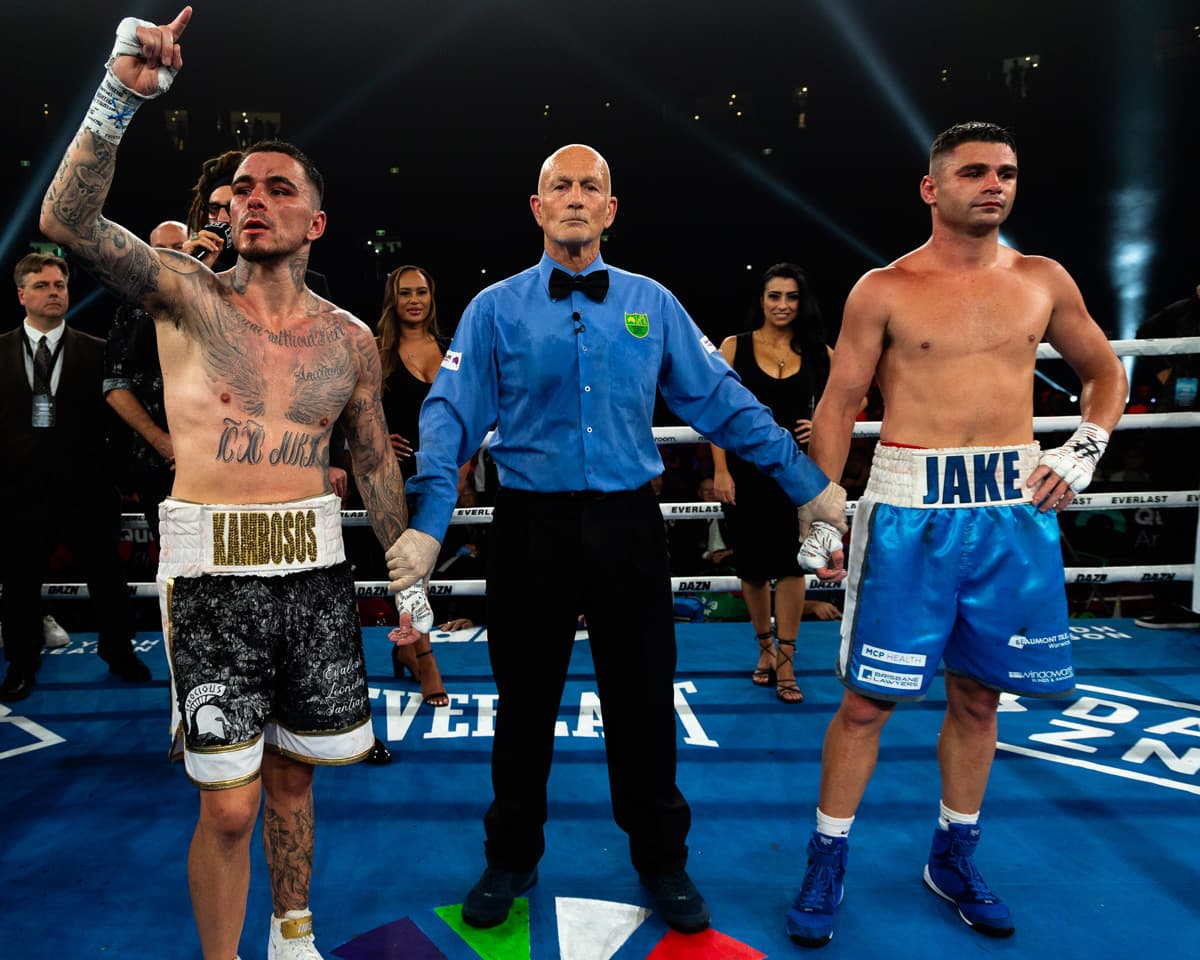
(951, 874)
(810, 919)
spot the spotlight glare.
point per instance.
(1133, 250)
(873, 61)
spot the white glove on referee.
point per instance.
(411, 558)
(828, 506)
(1075, 461)
(823, 521)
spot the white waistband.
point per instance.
(250, 538)
(951, 476)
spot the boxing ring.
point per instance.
(1149, 574)
(1088, 823)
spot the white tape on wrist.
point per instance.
(818, 548)
(112, 108)
(414, 601)
(1076, 460)
(114, 104)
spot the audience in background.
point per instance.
(784, 361)
(133, 387)
(410, 354)
(53, 429)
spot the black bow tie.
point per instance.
(594, 286)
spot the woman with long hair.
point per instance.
(410, 353)
(784, 361)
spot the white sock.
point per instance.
(833, 826)
(948, 816)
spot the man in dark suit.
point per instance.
(56, 485)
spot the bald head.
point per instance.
(575, 155)
(169, 233)
(574, 204)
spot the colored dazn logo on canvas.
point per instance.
(638, 324)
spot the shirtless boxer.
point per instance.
(261, 622)
(958, 519)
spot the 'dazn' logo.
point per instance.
(1116, 732)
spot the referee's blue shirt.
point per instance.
(572, 400)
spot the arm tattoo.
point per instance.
(288, 843)
(375, 467)
(116, 257)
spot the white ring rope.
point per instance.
(870, 428)
(705, 510)
(1154, 347)
(1182, 572)
(708, 511)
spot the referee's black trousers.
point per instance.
(553, 556)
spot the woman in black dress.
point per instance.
(410, 353)
(784, 362)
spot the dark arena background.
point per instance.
(739, 135)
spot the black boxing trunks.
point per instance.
(263, 637)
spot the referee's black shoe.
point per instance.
(678, 900)
(129, 668)
(18, 684)
(490, 900)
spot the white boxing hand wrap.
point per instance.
(126, 45)
(1075, 461)
(114, 104)
(112, 108)
(414, 601)
(818, 548)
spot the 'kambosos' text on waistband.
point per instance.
(257, 537)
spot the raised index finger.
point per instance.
(179, 24)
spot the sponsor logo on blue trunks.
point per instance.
(957, 478)
(1051, 642)
(253, 538)
(893, 656)
(889, 679)
(1043, 676)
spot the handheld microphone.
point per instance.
(228, 256)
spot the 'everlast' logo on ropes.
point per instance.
(256, 537)
(955, 478)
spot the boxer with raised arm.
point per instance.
(955, 555)
(258, 601)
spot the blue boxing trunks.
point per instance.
(263, 638)
(950, 562)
